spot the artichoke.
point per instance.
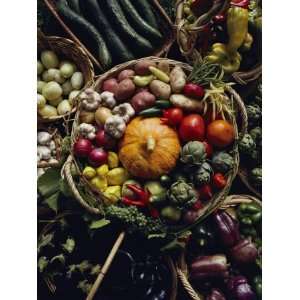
(256, 177)
(254, 114)
(193, 153)
(247, 144)
(256, 156)
(203, 174)
(182, 195)
(256, 134)
(222, 162)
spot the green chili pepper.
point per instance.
(163, 104)
(157, 199)
(249, 208)
(246, 221)
(151, 112)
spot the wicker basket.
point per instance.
(218, 198)
(66, 48)
(58, 141)
(165, 24)
(181, 266)
(243, 174)
(187, 39)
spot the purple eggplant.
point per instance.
(239, 289)
(227, 228)
(215, 294)
(244, 252)
(209, 267)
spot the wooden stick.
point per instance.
(106, 266)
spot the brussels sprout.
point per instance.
(202, 174)
(256, 134)
(247, 144)
(256, 177)
(254, 114)
(222, 162)
(193, 153)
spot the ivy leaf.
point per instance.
(84, 286)
(84, 266)
(157, 235)
(64, 188)
(52, 201)
(99, 223)
(95, 270)
(45, 240)
(42, 263)
(48, 183)
(58, 258)
(69, 245)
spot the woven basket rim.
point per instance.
(243, 174)
(59, 45)
(218, 196)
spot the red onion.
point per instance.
(239, 289)
(244, 252)
(215, 294)
(193, 90)
(190, 216)
(82, 147)
(97, 157)
(104, 140)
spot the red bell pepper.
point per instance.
(219, 181)
(240, 3)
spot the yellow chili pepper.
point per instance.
(99, 183)
(89, 172)
(159, 74)
(117, 176)
(102, 170)
(112, 194)
(142, 81)
(113, 160)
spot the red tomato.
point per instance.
(173, 116)
(220, 133)
(192, 128)
(208, 148)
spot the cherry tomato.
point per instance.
(192, 128)
(205, 192)
(220, 133)
(208, 148)
(172, 116)
(219, 181)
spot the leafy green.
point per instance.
(49, 183)
(58, 258)
(52, 201)
(42, 263)
(45, 240)
(99, 223)
(69, 245)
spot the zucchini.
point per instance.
(74, 5)
(145, 10)
(163, 103)
(138, 22)
(138, 43)
(94, 14)
(151, 112)
(87, 30)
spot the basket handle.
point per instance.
(244, 77)
(68, 175)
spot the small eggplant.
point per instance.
(244, 252)
(215, 294)
(227, 228)
(209, 267)
(239, 289)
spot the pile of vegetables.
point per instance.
(224, 254)
(58, 84)
(114, 31)
(232, 38)
(250, 146)
(156, 146)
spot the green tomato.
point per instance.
(64, 107)
(154, 187)
(40, 67)
(67, 69)
(52, 90)
(41, 101)
(48, 111)
(49, 59)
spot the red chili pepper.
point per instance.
(219, 181)
(197, 205)
(205, 192)
(240, 3)
(172, 116)
(141, 199)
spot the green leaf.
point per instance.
(84, 266)
(60, 258)
(64, 188)
(178, 243)
(45, 240)
(99, 223)
(49, 183)
(84, 286)
(95, 270)
(52, 201)
(69, 245)
(42, 263)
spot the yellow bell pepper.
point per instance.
(117, 176)
(113, 160)
(102, 170)
(112, 194)
(89, 172)
(247, 42)
(99, 183)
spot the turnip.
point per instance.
(52, 90)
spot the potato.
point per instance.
(186, 103)
(126, 89)
(142, 67)
(142, 100)
(87, 117)
(48, 111)
(64, 107)
(127, 73)
(52, 90)
(40, 67)
(40, 85)
(67, 88)
(164, 66)
(77, 80)
(110, 85)
(160, 89)
(49, 59)
(67, 69)
(177, 79)
(102, 114)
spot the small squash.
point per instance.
(149, 149)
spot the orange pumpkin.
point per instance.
(149, 149)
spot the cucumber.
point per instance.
(138, 22)
(163, 103)
(94, 14)
(138, 43)
(74, 5)
(145, 10)
(87, 30)
(151, 112)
